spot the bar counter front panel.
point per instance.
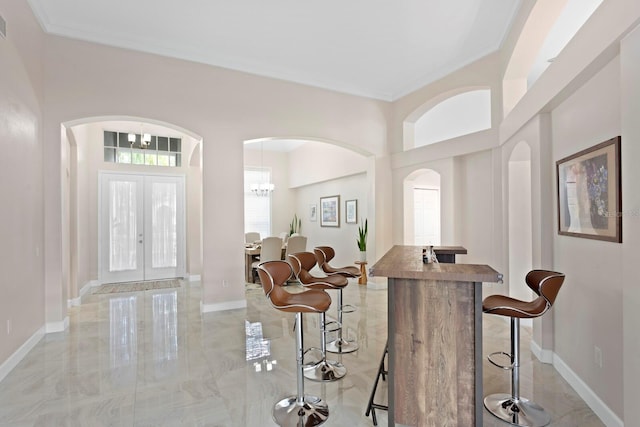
(435, 338)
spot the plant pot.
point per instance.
(363, 256)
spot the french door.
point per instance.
(141, 234)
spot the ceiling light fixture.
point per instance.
(145, 139)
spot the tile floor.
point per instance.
(151, 358)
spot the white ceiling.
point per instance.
(381, 49)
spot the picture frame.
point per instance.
(330, 211)
(313, 212)
(589, 193)
(351, 211)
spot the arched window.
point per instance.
(572, 18)
(459, 115)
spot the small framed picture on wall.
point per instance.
(351, 211)
(313, 212)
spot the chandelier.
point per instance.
(264, 188)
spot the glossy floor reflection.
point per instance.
(152, 359)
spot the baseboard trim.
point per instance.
(20, 353)
(75, 302)
(544, 356)
(606, 415)
(61, 326)
(222, 306)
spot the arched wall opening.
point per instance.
(520, 237)
(452, 114)
(83, 157)
(550, 26)
(422, 208)
(303, 170)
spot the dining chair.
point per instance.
(251, 236)
(270, 250)
(284, 236)
(296, 243)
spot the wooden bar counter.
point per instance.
(435, 339)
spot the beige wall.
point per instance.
(588, 117)
(224, 107)
(630, 111)
(567, 109)
(22, 306)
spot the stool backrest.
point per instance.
(301, 263)
(546, 284)
(324, 254)
(271, 249)
(273, 274)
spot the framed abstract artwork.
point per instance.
(330, 211)
(589, 193)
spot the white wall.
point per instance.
(588, 311)
(87, 269)
(317, 162)
(474, 208)
(343, 238)
(461, 114)
(520, 227)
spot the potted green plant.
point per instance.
(363, 230)
(296, 225)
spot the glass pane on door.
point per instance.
(164, 252)
(123, 228)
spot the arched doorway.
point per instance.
(86, 155)
(422, 208)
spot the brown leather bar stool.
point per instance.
(301, 409)
(512, 408)
(322, 370)
(324, 254)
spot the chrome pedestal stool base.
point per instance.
(313, 411)
(521, 412)
(324, 370)
(342, 346)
